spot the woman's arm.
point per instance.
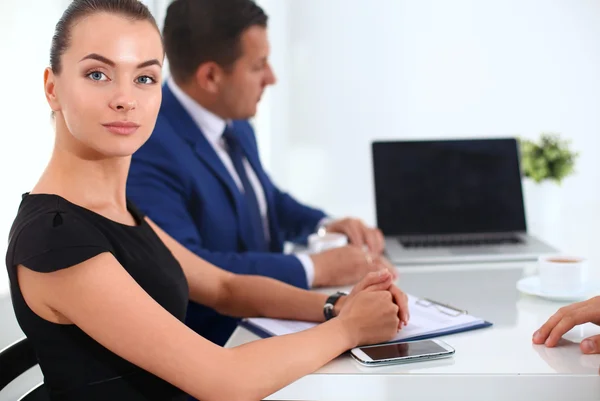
(102, 299)
(251, 296)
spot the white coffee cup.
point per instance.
(562, 274)
(319, 243)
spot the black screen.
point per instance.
(448, 187)
(402, 350)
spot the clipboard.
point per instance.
(443, 308)
(423, 310)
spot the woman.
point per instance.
(101, 291)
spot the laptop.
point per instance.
(452, 201)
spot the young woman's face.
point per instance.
(108, 92)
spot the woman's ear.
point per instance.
(50, 89)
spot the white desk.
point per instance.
(497, 363)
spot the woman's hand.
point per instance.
(568, 317)
(384, 280)
(375, 309)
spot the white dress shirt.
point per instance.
(213, 126)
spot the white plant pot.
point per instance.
(543, 203)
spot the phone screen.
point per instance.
(400, 350)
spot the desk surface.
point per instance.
(494, 363)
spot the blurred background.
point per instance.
(351, 72)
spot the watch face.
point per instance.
(329, 304)
(328, 311)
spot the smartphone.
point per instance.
(414, 351)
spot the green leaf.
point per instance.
(549, 159)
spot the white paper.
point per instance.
(424, 320)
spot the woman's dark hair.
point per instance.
(198, 31)
(133, 9)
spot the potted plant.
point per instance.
(545, 164)
(550, 159)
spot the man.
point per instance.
(199, 176)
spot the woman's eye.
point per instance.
(146, 80)
(97, 76)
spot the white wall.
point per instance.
(351, 72)
(27, 134)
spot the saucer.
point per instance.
(531, 286)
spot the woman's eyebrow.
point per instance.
(102, 59)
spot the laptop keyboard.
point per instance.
(438, 242)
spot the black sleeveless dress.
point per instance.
(51, 233)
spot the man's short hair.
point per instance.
(199, 31)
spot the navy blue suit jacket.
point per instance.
(178, 180)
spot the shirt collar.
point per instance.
(211, 125)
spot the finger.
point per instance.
(540, 336)
(371, 263)
(372, 278)
(352, 230)
(565, 324)
(397, 298)
(393, 272)
(401, 300)
(376, 242)
(380, 241)
(382, 286)
(590, 345)
(383, 263)
(390, 267)
(374, 239)
(344, 226)
(371, 239)
(405, 309)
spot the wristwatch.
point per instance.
(330, 303)
(322, 227)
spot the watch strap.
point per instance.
(330, 304)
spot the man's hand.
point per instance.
(359, 234)
(346, 266)
(568, 317)
(382, 263)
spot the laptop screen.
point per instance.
(448, 187)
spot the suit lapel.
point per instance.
(186, 127)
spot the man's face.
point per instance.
(243, 86)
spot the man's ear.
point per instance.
(209, 76)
